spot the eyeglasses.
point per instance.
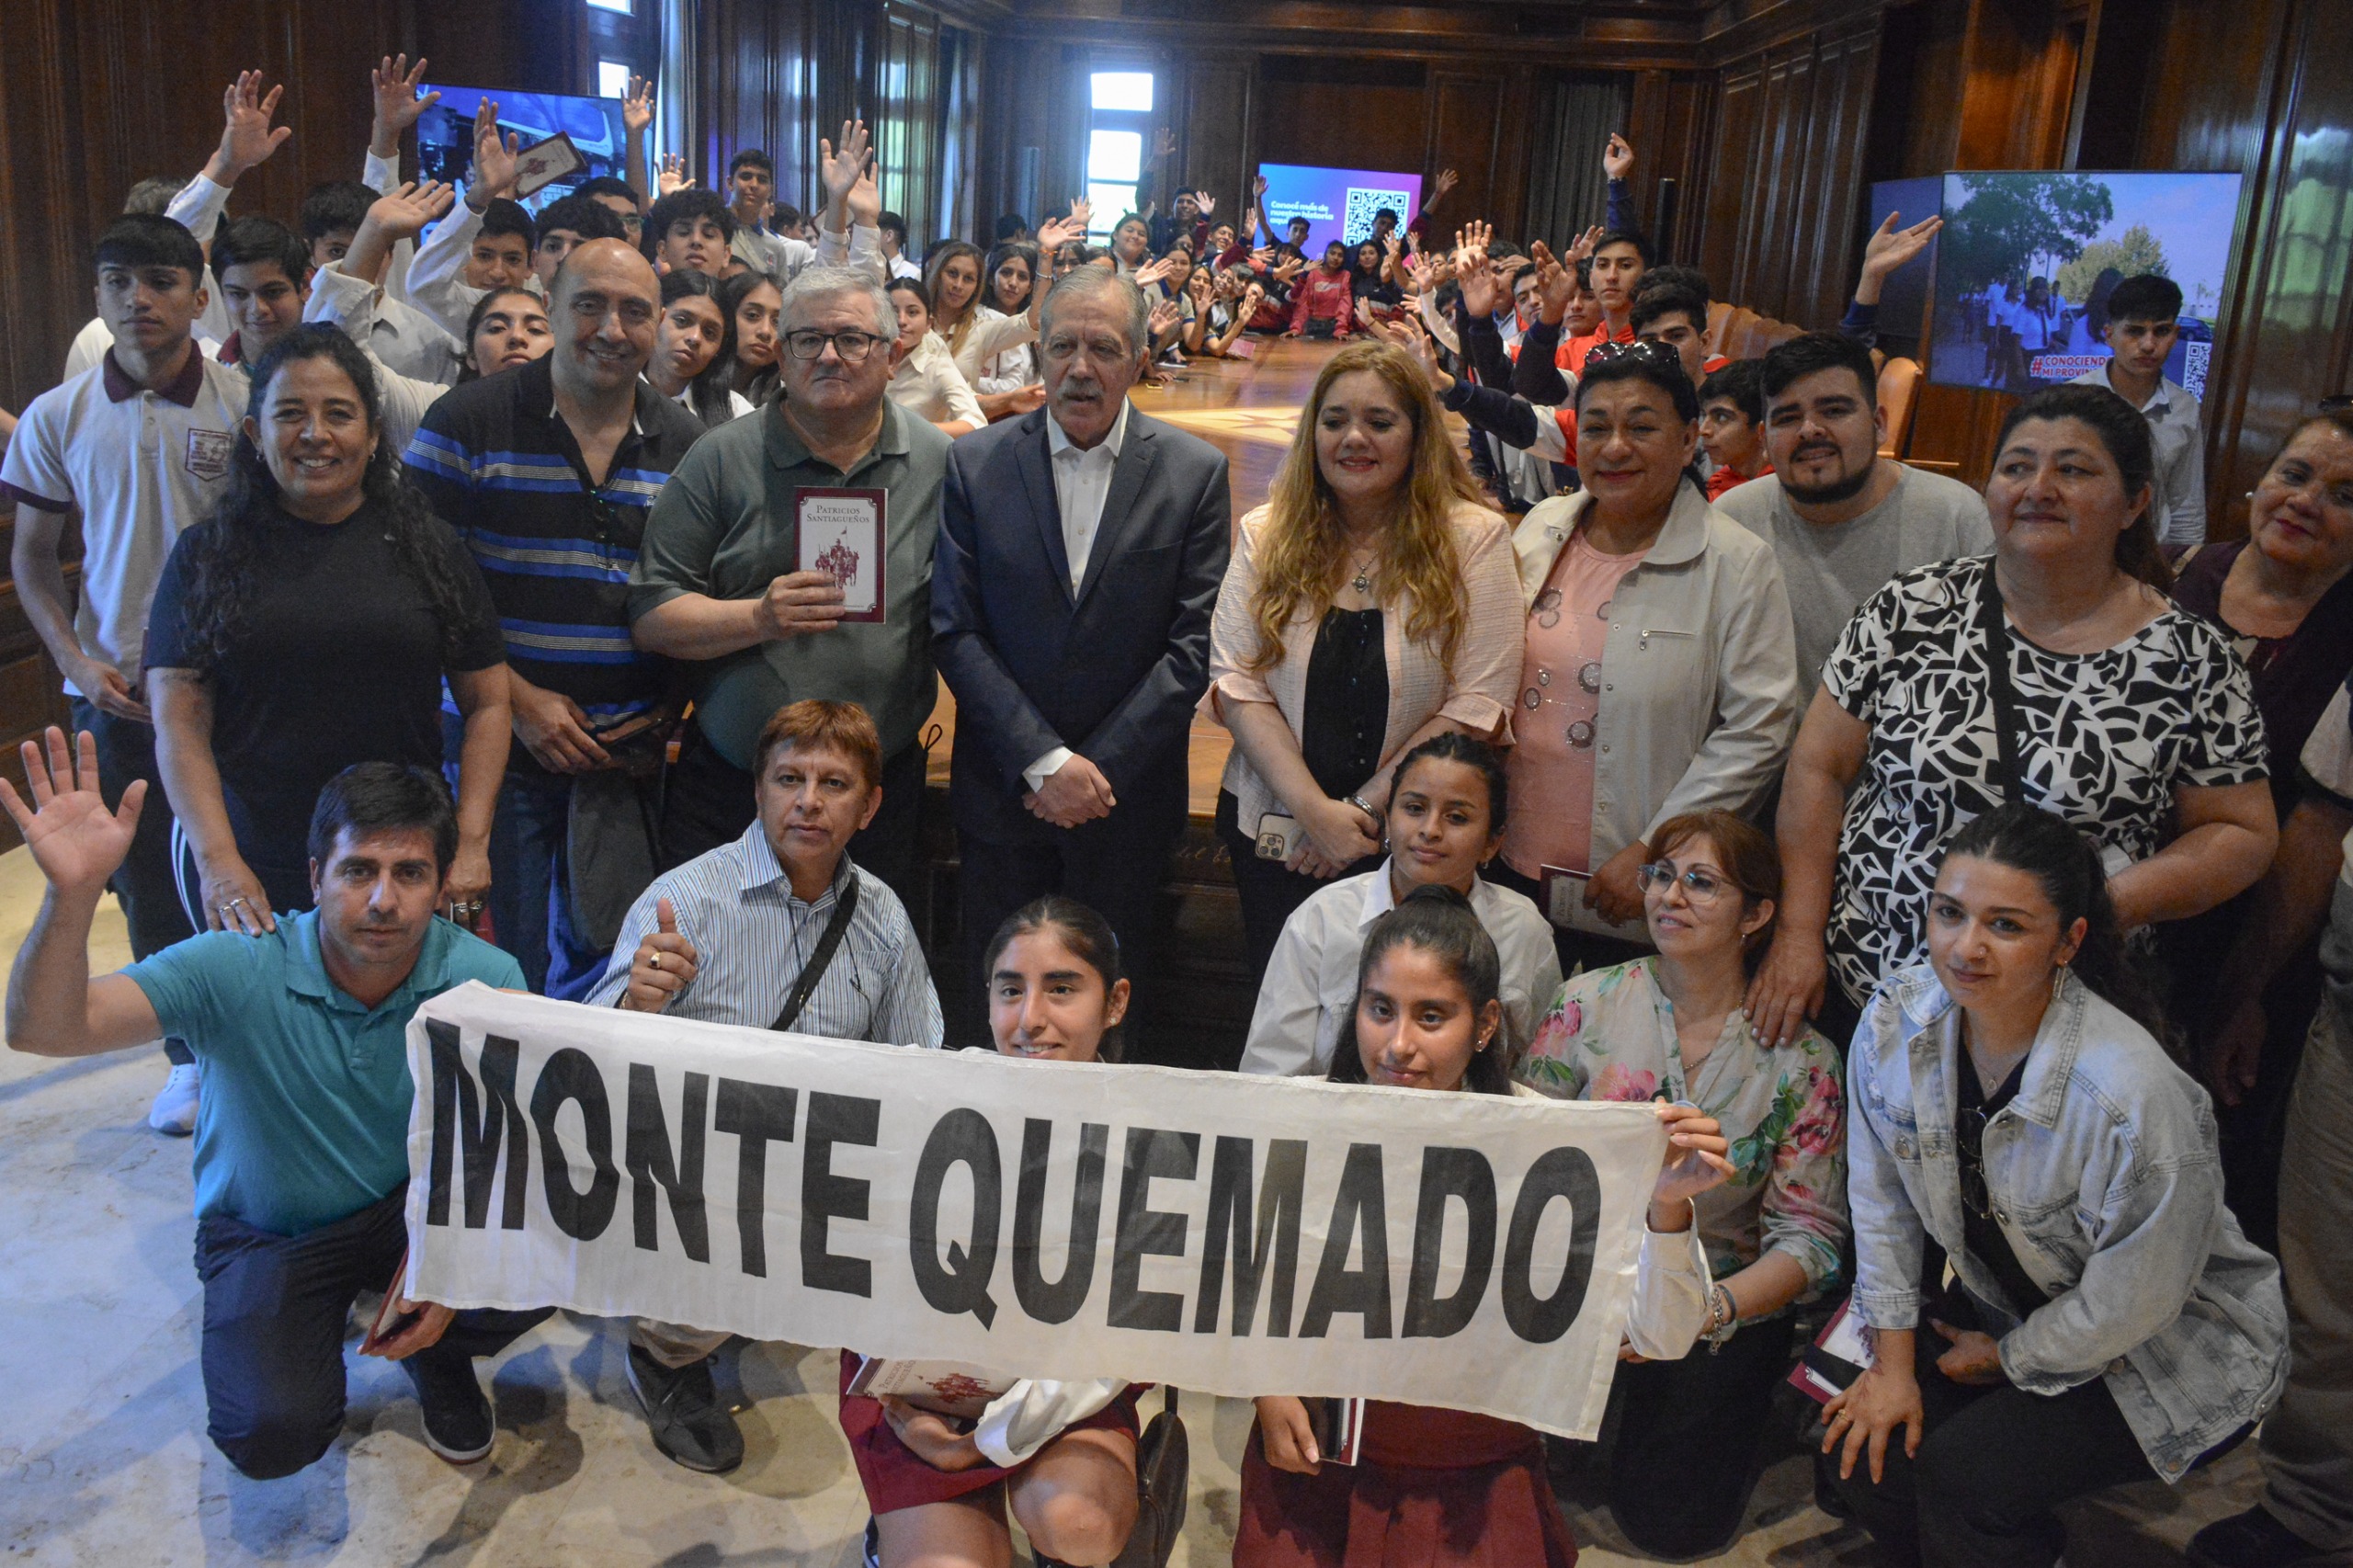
(1703, 888)
(1660, 354)
(853, 346)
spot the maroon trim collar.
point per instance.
(183, 389)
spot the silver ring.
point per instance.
(234, 902)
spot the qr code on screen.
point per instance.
(1355, 218)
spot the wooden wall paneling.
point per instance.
(1514, 151)
(1215, 98)
(1465, 133)
(1734, 157)
(1351, 113)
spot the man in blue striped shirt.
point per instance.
(746, 934)
(547, 471)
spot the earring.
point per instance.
(2058, 981)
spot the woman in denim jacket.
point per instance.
(2009, 1103)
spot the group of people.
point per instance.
(1936, 860)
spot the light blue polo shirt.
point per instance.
(304, 1116)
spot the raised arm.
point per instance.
(637, 115)
(54, 1008)
(393, 86)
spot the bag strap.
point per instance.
(814, 970)
(2008, 773)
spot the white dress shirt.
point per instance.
(1311, 984)
(1082, 484)
(2178, 512)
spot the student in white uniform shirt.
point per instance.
(140, 445)
(928, 385)
(893, 231)
(1446, 820)
(2143, 324)
(692, 348)
(506, 328)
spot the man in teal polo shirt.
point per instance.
(301, 1139)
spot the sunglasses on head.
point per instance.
(1646, 349)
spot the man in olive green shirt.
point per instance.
(717, 581)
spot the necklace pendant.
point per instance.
(1363, 584)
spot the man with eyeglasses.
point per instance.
(546, 471)
(720, 583)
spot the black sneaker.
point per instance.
(683, 1412)
(2253, 1540)
(456, 1413)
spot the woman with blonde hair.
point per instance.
(1370, 604)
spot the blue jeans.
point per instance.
(531, 886)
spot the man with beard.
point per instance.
(1842, 519)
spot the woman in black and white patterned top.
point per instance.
(2133, 720)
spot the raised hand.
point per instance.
(671, 175)
(665, 963)
(1447, 180)
(1470, 243)
(1055, 233)
(1554, 284)
(1149, 273)
(1407, 334)
(411, 208)
(1889, 248)
(247, 139)
(637, 105)
(1618, 158)
(839, 169)
(496, 154)
(1165, 315)
(393, 86)
(1583, 247)
(1208, 202)
(1477, 279)
(1290, 269)
(75, 841)
(1163, 144)
(865, 199)
(1259, 185)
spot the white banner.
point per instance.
(1234, 1236)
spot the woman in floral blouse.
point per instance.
(1669, 1025)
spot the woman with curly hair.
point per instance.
(1370, 604)
(1669, 1025)
(309, 624)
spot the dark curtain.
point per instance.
(1567, 192)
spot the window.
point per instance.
(626, 7)
(1121, 104)
(612, 78)
(1129, 91)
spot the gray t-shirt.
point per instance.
(1831, 570)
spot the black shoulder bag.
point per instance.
(2008, 771)
(814, 970)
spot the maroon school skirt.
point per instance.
(1441, 1488)
(895, 1478)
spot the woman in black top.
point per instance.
(307, 625)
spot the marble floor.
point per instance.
(103, 1457)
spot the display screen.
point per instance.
(1338, 204)
(1904, 296)
(2027, 259)
(445, 133)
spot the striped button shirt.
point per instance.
(501, 466)
(751, 937)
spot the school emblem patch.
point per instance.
(208, 453)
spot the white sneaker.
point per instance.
(174, 1112)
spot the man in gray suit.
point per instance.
(1080, 553)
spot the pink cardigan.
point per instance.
(1476, 694)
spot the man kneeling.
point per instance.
(777, 930)
(302, 1138)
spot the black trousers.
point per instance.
(708, 801)
(1993, 1464)
(1689, 1432)
(145, 885)
(1269, 895)
(1116, 867)
(275, 1308)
